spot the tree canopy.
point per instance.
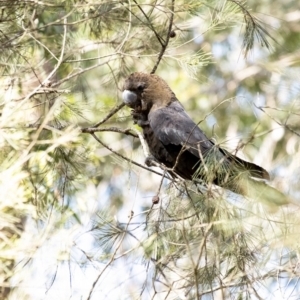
(78, 210)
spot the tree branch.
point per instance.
(124, 157)
(110, 129)
(165, 44)
(150, 24)
(110, 114)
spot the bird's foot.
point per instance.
(150, 161)
(141, 123)
(140, 118)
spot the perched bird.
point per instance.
(176, 141)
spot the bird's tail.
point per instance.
(257, 190)
(233, 175)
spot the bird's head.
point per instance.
(144, 92)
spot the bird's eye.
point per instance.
(141, 86)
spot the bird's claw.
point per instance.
(150, 161)
(142, 123)
(139, 118)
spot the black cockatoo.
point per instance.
(175, 140)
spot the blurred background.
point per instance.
(76, 213)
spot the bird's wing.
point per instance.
(172, 126)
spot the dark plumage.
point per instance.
(175, 140)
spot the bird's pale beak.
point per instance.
(129, 98)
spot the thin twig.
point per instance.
(25, 154)
(124, 157)
(59, 62)
(272, 118)
(112, 257)
(128, 29)
(148, 155)
(45, 91)
(165, 44)
(109, 129)
(72, 75)
(150, 24)
(201, 247)
(110, 114)
(161, 182)
(143, 142)
(202, 244)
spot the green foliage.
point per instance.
(78, 205)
